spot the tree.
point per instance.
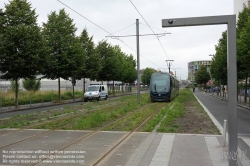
(243, 49)
(202, 75)
(66, 55)
(219, 63)
(129, 75)
(146, 76)
(31, 84)
(92, 64)
(108, 61)
(22, 47)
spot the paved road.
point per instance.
(219, 109)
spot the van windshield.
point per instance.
(92, 88)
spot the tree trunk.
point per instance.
(245, 94)
(223, 91)
(122, 88)
(113, 88)
(59, 90)
(73, 92)
(249, 95)
(83, 88)
(237, 90)
(220, 88)
(16, 94)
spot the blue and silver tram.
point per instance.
(163, 87)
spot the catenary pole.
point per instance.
(138, 61)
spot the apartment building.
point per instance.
(194, 65)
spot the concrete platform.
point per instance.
(140, 149)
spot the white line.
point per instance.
(216, 152)
(163, 151)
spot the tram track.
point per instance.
(155, 106)
(98, 130)
(106, 154)
(53, 118)
(49, 131)
(58, 117)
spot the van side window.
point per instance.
(100, 89)
(103, 88)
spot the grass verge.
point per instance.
(182, 115)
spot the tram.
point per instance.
(163, 87)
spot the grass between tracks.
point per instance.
(183, 115)
(93, 115)
(20, 121)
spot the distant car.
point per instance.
(215, 89)
(243, 92)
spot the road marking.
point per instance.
(163, 151)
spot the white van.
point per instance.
(96, 92)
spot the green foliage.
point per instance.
(31, 84)
(202, 75)
(219, 64)
(109, 61)
(93, 61)
(243, 47)
(129, 74)
(146, 76)
(67, 56)
(22, 47)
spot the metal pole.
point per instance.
(138, 61)
(232, 91)
(224, 132)
(230, 20)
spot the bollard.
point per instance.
(224, 133)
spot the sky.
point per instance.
(118, 17)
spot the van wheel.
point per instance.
(106, 98)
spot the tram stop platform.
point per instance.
(139, 149)
(188, 150)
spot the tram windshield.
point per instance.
(160, 83)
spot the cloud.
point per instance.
(183, 44)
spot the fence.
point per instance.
(240, 98)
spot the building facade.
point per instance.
(194, 65)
